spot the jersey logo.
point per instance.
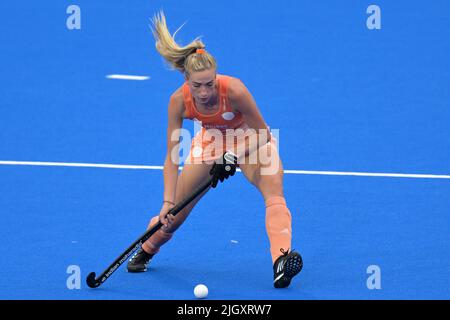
(228, 116)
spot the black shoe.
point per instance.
(139, 261)
(286, 267)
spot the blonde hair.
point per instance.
(184, 59)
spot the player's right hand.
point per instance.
(166, 219)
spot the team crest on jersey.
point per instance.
(228, 116)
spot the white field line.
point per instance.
(304, 172)
(126, 77)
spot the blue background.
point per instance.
(345, 98)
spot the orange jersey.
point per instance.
(205, 147)
(225, 118)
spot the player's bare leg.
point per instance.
(190, 177)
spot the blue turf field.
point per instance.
(345, 99)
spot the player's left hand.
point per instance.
(224, 168)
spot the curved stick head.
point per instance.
(91, 281)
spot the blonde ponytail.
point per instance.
(184, 59)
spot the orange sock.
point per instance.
(278, 225)
(160, 237)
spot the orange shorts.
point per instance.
(210, 145)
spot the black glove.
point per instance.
(224, 168)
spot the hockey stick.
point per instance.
(94, 282)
